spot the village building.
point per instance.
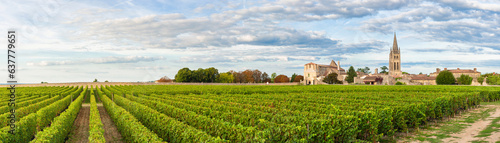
(458, 72)
(423, 79)
(315, 73)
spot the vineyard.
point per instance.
(226, 113)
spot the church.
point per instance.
(395, 59)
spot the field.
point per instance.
(225, 113)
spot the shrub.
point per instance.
(445, 77)
(464, 80)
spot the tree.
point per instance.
(199, 75)
(184, 75)
(298, 78)
(95, 80)
(265, 77)
(211, 74)
(273, 76)
(493, 80)
(239, 77)
(445, 77)
(332, 79)
(364, 70)
(404, 73)
(384, 69)
(106, 81)
(350, 75)
(293, 77)
(464, 80)
(248, 75)
(281, 79)
(225, 78)
(367, 70)
(480, 79)
(257, 76)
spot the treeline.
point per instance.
(212, 75)
(491, 78)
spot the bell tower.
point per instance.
(395, 59)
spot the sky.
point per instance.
(132, 40)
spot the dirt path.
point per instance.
(80, 133)
(467, 135)
(111, 133)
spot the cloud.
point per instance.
(439, 22)
(104, 60)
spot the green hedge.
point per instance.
(96, 129)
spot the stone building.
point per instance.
(314, 73)
(423, 79)
(395, 59)
(458, 72)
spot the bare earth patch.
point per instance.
(111, 133)
(467, 135)
(80, 133)
(461, 128)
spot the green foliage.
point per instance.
(21, 112)
(46, 114)
(225, 78)
(199, 75)
(405, 73)
(384, 69)
(480, 79)
(464, 80)
(273, 76)
(332, 79)
(400, 83)
(493, 80)
(184, 75)
(265, 114)
(180, 113)
(96, 128)
(350, 75)
(95, 80)
(164, 126)
(445, 78)
(130, 128)
(62, 124)
(293, 77)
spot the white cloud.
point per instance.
(104, 60)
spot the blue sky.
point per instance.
(130, 40)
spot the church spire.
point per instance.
(395, 44)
